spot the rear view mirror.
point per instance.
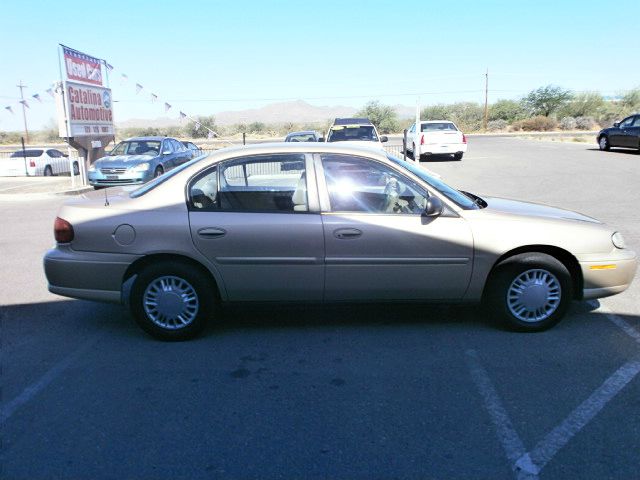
(384, 138)
(434, 207)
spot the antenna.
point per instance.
(106, 199)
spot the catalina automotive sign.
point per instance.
(81, 67)
(89, 110)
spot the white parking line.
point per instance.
(511, 442)
(530, 464)
(32, 390)
(581, 416)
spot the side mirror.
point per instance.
(616, 124)
(384, 138)
(434, 207)
(321, 139)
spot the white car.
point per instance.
(436, 137)
(36, 162)
(357, 132)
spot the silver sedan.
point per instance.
(311, 222)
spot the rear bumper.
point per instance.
(86, 275)
(608, 277)
(441, 148)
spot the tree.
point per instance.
(631, 100)
(547, 100)
(383, 117)
(206, 122)
(588, 104)
(507, 110)
(467, 116)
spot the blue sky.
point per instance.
(206, 57)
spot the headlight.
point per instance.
(618, 240)
(141, 167)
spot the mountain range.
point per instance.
(297, 111)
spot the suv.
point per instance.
(355, 131)
(138, 160)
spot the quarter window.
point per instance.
(360, 185)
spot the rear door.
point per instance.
(256, 218)
(634, 133)
(378, 245)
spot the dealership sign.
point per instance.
(81, 67)
(89, 110)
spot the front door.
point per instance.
(252, 218)
(378, 245)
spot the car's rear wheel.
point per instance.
(603, 143)
(48, 172)
(457, 156)
(529, 292)
(158, 171)
(172, 301)
(413, 153)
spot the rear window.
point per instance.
(438, 127)
(27, 153)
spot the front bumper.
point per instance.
(86, 275)
(603, 278)
(97, 178)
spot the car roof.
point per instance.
(302, 132)
(367, 148)
(140, 139)
(352, 121)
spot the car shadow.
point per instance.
(629, 151)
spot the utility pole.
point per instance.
(24, 112)
(486, 99)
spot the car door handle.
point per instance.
(212, 232)
(347, 233)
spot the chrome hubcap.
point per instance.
(603, 143)
(171, 302)
(534, 295)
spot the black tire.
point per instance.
(76, 169)
(458, 156)
(48, 172)
(413, 153)
(603, 143)
(544, 283)
(158, 171)
(172, 301)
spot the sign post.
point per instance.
(85, 107)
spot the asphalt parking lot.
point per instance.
(336, 392)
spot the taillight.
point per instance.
(62, 231)
(32, 163)
(422, 139)
(464, 138)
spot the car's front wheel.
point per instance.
(172, 300)
(529, 292)
(158, 171)
(603, 143)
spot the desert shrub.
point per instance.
(496, 125)
(568, 123)
(382, 116)
(535, 124)
(585, 123)
(468, 116)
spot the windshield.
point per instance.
(348, 133)
(150, 185)
(451, 193)
(137, 147)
